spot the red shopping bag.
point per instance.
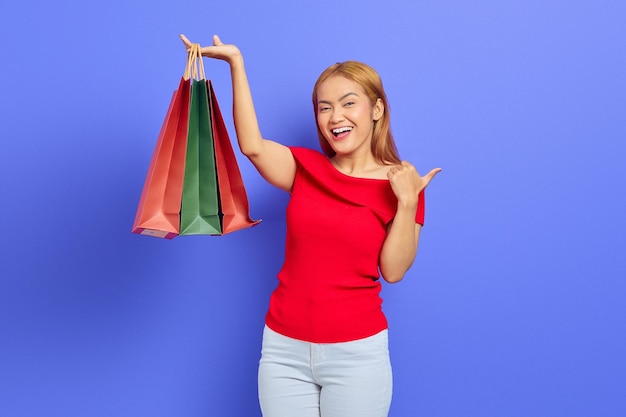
(234, 208)
(158, 213)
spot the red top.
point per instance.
(328, 287)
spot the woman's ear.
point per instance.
(379, 110)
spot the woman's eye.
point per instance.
(322, 109)
(349, 103)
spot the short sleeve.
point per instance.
(421, 208)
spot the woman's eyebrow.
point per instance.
(341, 98)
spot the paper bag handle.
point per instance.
(195, 65)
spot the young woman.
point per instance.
(355, 214)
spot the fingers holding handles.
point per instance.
(186, 42)
(218, 50)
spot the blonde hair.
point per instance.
(383, 146)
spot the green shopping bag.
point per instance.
(200, 208)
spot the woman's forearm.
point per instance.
(400, 246)
(244, 116)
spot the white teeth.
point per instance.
(341, 130)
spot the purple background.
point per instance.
(516, 305)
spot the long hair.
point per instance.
(383, 146)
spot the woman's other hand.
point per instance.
(407, 183)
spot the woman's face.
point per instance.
(345, 115)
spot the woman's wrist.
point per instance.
(408, 205)
(235, 59)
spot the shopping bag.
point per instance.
(234, 207)
(199, 212)
(158, 213)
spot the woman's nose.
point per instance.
(336, 116)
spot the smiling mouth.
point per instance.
(341, 131)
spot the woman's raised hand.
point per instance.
(218, 50)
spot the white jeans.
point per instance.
(302, 379)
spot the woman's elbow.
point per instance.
(392, 277)
(393, 270)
